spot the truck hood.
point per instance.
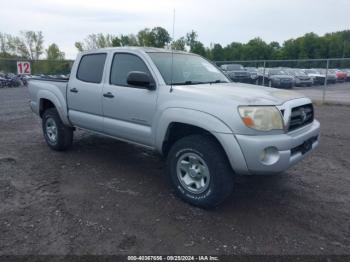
(242, 94)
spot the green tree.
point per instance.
(191, 39)
(198, 48)
(179, 44)
(290, 49)
(233, 51)
(194, 45)
(145, 37)
(310, 45)
(17, 47)
(30, 44)
(161, 37)
(94, 41)
(256, 49)
(79, 46)
(54, 53)
(125, 40)
(217, 53)
(4, 49)
(157, 37)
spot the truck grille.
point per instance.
(301, 116)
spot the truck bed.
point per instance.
(55, 88)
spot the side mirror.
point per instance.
(140, 80)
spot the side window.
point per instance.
(91, 68)
(122, 65)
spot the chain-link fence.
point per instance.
(323, 80)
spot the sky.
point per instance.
(222, 21)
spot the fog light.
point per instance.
(269, 156)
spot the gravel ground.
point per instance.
(108, 197)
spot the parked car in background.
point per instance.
(10, 80)
(331, 76)
(340, 74)
(237, 73)
(3, 81)
(347, 71)
(253, 74)
(317, 77)
(276, 77)
(300, 77)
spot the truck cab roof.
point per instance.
(133, 49)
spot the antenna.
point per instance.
(172, 55)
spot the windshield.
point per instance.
(187, 69)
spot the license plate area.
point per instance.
(305, 147)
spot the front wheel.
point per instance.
(58, 136)
(199, 171)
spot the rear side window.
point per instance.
(91, 68)
(122, 65)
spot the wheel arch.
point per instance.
(176, 123)
(47, 100)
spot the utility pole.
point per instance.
(325, 83)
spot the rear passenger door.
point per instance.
(128, 110)
(84, 94)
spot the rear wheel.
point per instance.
(199, 171)
(58, 136)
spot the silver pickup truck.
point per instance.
(182, 106)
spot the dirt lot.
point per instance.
(108, 197)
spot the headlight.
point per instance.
(263, 118)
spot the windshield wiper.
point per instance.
(216, 82)
(188, 83)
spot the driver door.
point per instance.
(128, 110)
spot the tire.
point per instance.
(219, 180)
(57, 136)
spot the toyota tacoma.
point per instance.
(181, 105)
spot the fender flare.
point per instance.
(58, 101)
(196, 118)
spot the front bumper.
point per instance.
(271, 154)
(303, 82)
(286, 84)
(242, 79)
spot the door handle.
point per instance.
(109, 95)
(74, 90)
